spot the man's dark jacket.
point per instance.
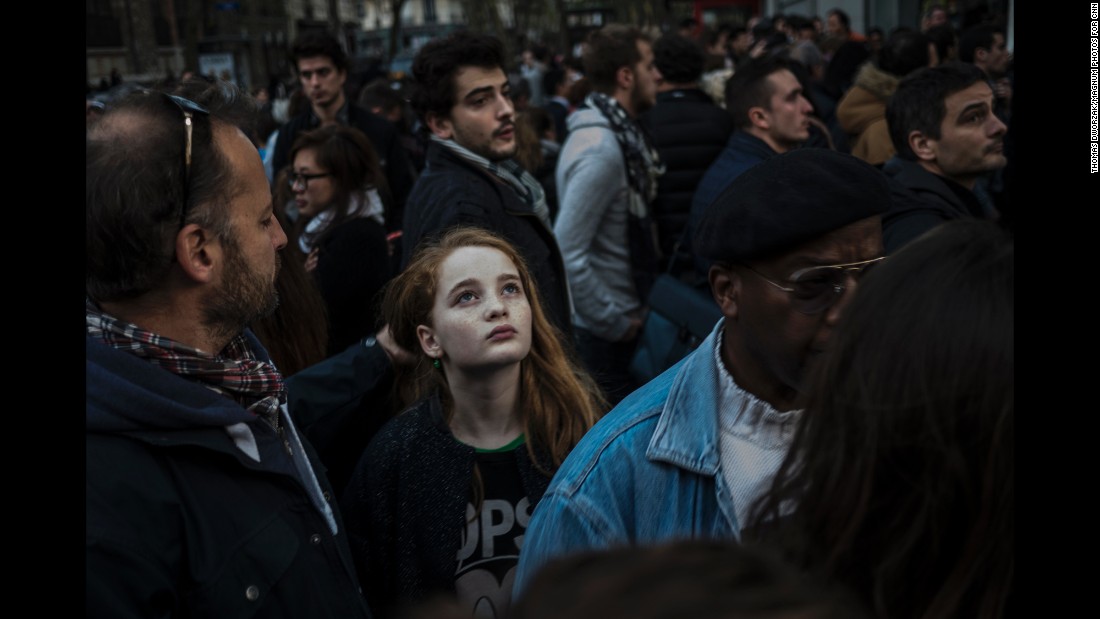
(921, 201)
(689, 131)
(451, 192)
(383, 136)
(182, 522)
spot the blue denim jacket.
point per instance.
(605, 494)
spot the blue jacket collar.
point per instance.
(687, 430)
(743, 142)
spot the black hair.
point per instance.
(841, 70)
(437, 63)
(380, 93)
(319, 43)
(678, 58)
(904, 52)
(945, 39)
(799, 22)
(702, 579)
(842, 17)
(919, 103)
(975, 38)
(539, 120)
(551, 80)
(520, 89)
(748, 88)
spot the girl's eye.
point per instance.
(465, 297)
(511, 288)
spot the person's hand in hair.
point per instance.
(311, 260)
(397, 355)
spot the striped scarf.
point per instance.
(235, 372)
(508, 171)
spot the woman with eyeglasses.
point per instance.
(340, 195)
(440, 500)
(899, 481)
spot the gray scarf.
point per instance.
(508, 171)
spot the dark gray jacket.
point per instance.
(921, 201)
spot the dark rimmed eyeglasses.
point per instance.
(303, 179)
(815, 289)
(188, 108)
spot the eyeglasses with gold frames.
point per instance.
(815, 289)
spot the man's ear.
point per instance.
(725, 287)
(624, 78)
(198, 252)
(440, 126)
(922, 146)
(758, 116)
(428, 342)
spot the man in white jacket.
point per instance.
(607, 180)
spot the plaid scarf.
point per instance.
(508, 171)
(643, 167)
(235, 372)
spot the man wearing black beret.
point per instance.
(686, 455)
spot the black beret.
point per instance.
(788, 200)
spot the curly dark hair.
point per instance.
(678, 58)
(319, 43)
(437, 63)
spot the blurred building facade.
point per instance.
(245, 41)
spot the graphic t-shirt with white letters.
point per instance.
(489, 551)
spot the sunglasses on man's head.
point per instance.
(188, 108)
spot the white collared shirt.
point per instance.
(754, 439)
